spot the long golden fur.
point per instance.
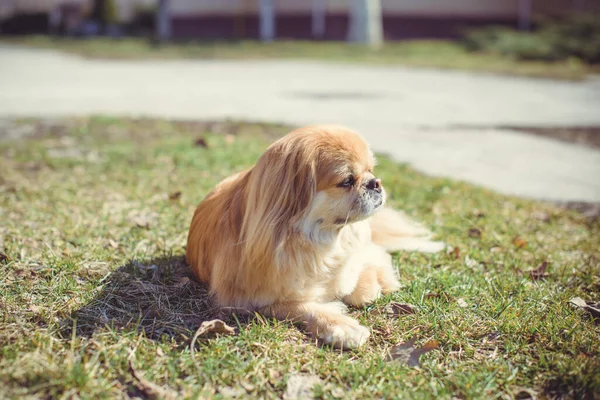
(301, 230)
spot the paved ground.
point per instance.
(406, 113)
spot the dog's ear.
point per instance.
(280, 189)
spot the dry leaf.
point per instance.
(539, 272)
(212, 328)
(183, 281)
(301, 386)
(590, 307)
(208, 329)
(406, 353)
(397, 309)
(456, 253)
(578, 301)
(151, 389)
(462, 303)
(201, 142)
(474, 233)
(175, 195)
(479, 213)
(519, 242)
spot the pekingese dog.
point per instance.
(302, 233)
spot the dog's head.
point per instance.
(314, 180)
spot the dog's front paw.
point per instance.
(346, 334)
(432, 247)
(365, 293)
(420, 245)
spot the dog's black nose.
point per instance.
(374, 184)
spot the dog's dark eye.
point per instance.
(349, 181)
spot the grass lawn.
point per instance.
(95, 301)
(417, 53)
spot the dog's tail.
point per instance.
(394, 231)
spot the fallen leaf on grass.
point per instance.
(151, 389)
(539, 272)
(462, 303)
(406, 353)
(301, 386)
(456, 253)
(174, 196)
(208, 329)
(474, 233)
(479, 213)
(519, 242)
(591, 307)
(201, 142)
(215, 327)
(397, 309)
(183, 281)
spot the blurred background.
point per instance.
(340, 20)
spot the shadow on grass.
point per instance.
(159, 297)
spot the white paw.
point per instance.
(432, 247)
(390, 286)
(420, 245)
(364, 296)
(346, 336)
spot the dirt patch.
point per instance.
(584, 135)
(589, 210)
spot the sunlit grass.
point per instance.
(94, 221)
(414, 53)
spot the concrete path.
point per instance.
(406, 113)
